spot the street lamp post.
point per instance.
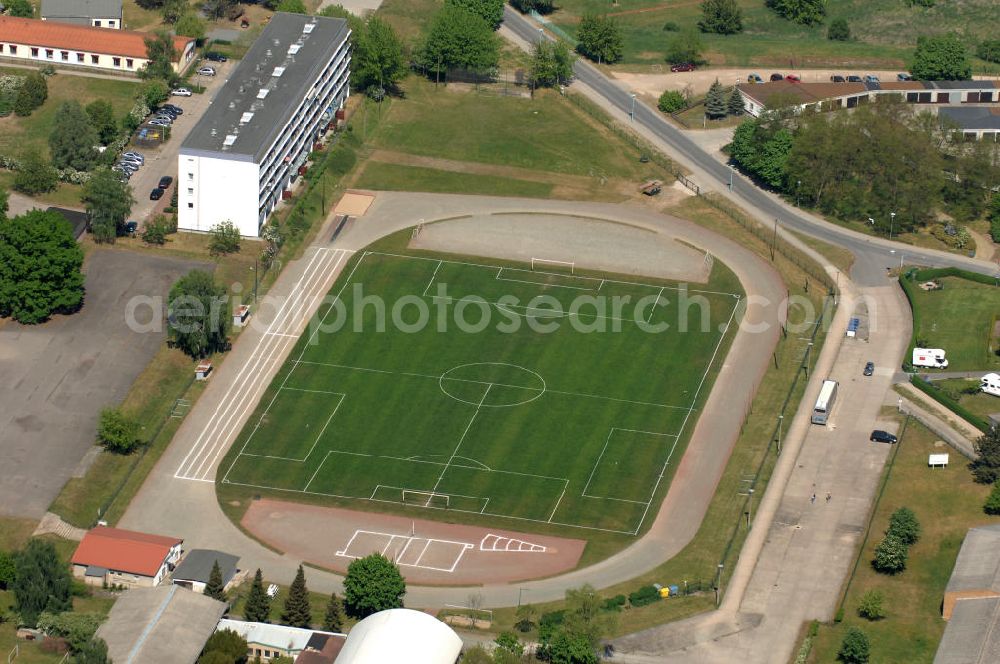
(892, 223)
(798, 186)
(781, 420)
(255, 281)
(631, 112)
(718, 581)
(750, 509)
(730, 178)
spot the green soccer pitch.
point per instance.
(563, 399)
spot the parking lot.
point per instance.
(163, 160)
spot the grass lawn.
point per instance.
(959, 319)
(500, 423)
(317, 602)
(545, 133)
(885, 31)
(18, 134)
(947, 503)
(980, 403)
(395, 177)
(409, 18)
(136, 18)
(64, 195)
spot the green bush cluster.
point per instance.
(643, 596)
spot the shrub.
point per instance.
(225, 239)
(671, 26)
(671, 101)
(855, 648)
(904, 525)
(643, 596)
(117, 432)
(890, 555)
(838, 30)
(870, 606)
(155, 231)
(992, 504)
(614, 603)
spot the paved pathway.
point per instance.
(168, 499)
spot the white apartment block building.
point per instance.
(247, 148)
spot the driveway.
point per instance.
(58, 375)
(163, 160)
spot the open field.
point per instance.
(884, 31)
(500, 422)
(18, 134)
(980, 403)
(947, 503)
(395, 177)
(959, 318)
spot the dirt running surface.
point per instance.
(427, 552)
(586, 243)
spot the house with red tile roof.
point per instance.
(113, 556)
(33, 41)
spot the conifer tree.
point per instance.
(258, 606)
(735, 104)
(333, 621)
(715, 101)
(297, 612)
(215, 588)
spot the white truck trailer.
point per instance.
(929, 357)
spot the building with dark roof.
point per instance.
(760, 97)
(165, 625)
(194, 569)
(972, 602)
(975, 122)
(51, 42)
(266, 641)
(93, 13)
(113, 556)
(247, 149)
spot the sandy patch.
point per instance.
(353, 204)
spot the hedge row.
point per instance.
(941, 397)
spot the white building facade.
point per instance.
(247, 149)
(94, 13)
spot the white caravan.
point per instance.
(929, 357)
(990, 384)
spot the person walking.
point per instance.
(813, 499)
(828, 496)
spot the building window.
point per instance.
(117, 62)
(79, 57)
(190, 206)
(111, 24)
(190, 191)
(49, 54)
(64, 55)
(12, 49)
(97, 24)
(128, 62)
(34, 52)
(190, 176)
(94, 60)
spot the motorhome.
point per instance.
(929, 357)
(990, 384)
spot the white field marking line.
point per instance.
(347, 548)
(402, 552)
(462, 439)
(431, 507)
(300, 389)
(418, 459)
(404, 489)
(617, 500)
(267, 410)
(428, 541)
(694, 400)
(539, 283)
(251, 396)
(484, 469)
(249, 370)
(280, 334)
(458, 558)
(549, 313)
(652, 309)
(316, 472)
(385, 548)
(598, 462)
(416, 563)
(484, 506)
(433, 277)
(553, 515)
(555, 274)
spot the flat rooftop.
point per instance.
(266, 87)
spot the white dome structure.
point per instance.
(401, 636)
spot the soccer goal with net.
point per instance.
(549, 265)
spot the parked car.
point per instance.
(175, 109)
(130, 166)
(165, 182)
(903, 76)
(836, 78)
(683, 66)
(215, 57)
(167, 111)
(754, 78)
(156, 194)
(181, 92)
(165, 118)
(879, 436)
(131, 227)
(870, 78)
(206, 71)
(158, 123)
(869, 368)
(854, 78)
(793, 78)
(124, 172)
(777, 77)
(137, 156)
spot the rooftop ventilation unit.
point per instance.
(294, 48)
(262, 93)
(278, 71)
(245, 118)
(230, 139)
(308, 28)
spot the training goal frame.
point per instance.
(537, 263)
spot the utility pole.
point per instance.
(892, 223)
(631, 113)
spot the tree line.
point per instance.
(883, 163)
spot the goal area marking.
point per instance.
(541, 262)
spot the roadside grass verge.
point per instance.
(947, 503)
(840, 258)
(980, 404)
(64, 195)
(394, 177)
(724, 522)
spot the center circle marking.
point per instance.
(453, 377)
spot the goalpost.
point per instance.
(542, 263)
(426, 499)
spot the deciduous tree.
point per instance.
(35, 175)
(40, 265)
(904, 525)
(372, 584)
(685, 46)
(806, 12)
(870, 606)
(941, 58)
(986, 466)
(297, 612)
(838, 30)
(551, 63)
(231, 646)
(21, 8)
(378, 56)
(671, 101)
(291, 6)
(890, 555)
(225, 239)
(32, 94)
(599, 38)
(258, 606)
(459, 39)
(190, 25)
(95, 652)
(722, 17)
(161, 55)
(108, 202)
(42, 582)
(117, 432)
(172, 10)
(490, 11)
(198, 313)
(102, 119)
(568, 648)
(8, 569)
(73, 138)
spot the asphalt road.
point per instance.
(875, 250)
